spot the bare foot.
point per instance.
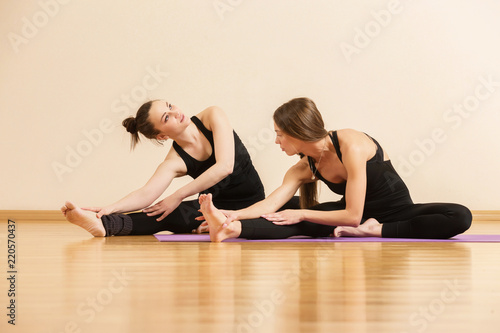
(371, 228)
(85, 219)
(216, 219)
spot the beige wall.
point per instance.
(422, 77)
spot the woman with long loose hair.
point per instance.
(375, 200)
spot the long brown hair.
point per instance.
(300, 119)
(141, 124)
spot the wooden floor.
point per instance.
(67, 281)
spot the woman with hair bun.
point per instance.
(204, 147)
(375, 200)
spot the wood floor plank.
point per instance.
(68, 281)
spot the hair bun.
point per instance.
(130, 124)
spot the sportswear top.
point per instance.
(243, 184)
(385, 190)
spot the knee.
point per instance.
(462, 217)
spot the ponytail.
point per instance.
(140, 124)
(308, 195)
(131, 125)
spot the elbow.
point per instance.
(354, 220)
(227, 169)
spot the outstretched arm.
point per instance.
(171, 167)
(355, 152)
(294, 178)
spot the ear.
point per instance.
(162, 137)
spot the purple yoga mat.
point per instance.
(206, 238)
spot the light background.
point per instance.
(70, 71)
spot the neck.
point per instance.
(190, 136)
(315, 149)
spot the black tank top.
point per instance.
(243, 185)
(385, 190)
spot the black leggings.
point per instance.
(181, 220)
(429, 221)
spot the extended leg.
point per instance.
(181, 220)
(85, 219)
(263, 229)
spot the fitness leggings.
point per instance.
(181, 220)
(430, 221)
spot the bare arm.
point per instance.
(355, 164)
(171, 167)
(294, 178)
(216, 121)
(356, 150)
